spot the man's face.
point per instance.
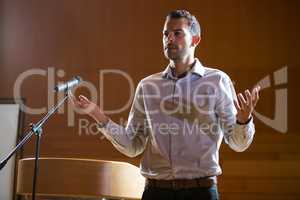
(177, 39)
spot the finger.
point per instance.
(253, 95)
(236, 104)
(253, 92)
(84, 99)
(70, 94)
(256, 97)
(258, 88)
(73, 99)
(86, 103)
(248, 97)
(242, 101)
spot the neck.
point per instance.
(181, 66)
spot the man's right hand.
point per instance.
(85, 106)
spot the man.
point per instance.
(179, 118)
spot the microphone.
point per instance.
(68, 85)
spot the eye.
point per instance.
(178, 33)
(165, 33)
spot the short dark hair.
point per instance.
(193, 23)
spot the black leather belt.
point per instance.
(182, 183)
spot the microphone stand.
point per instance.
(36, 129)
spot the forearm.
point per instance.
(126, 140)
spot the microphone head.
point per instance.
(68, 85)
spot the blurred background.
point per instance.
(50, 41)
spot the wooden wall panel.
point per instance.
(247, 39)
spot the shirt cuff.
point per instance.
(246, 129)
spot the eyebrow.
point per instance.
(179, 29)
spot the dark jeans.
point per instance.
(153, 193)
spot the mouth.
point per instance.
(171, 48)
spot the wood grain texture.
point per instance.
(81, 178)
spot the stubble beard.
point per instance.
(174, 55)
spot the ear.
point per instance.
(196, 40)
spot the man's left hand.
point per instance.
(246, 103)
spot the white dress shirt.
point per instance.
(179, 124)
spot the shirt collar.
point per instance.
(197, 69)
